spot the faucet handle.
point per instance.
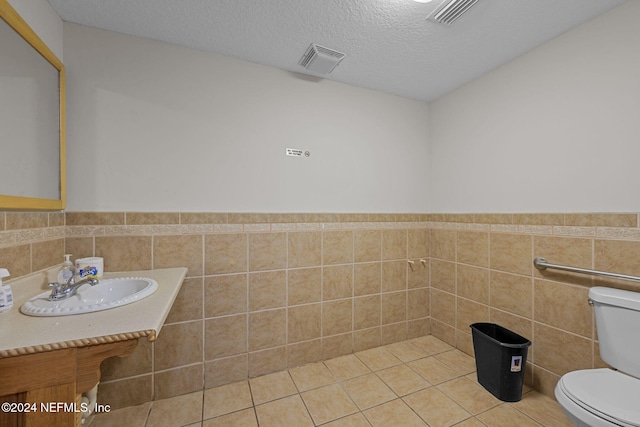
(56, 289)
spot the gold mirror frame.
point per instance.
(15, 21)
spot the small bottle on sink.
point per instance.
(67, 271)
(6, 296)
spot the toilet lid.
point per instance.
(609, 393)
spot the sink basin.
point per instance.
(108, 293)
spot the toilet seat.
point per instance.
(605, 393)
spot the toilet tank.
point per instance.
(618, 325)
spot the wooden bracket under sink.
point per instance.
(53, 376)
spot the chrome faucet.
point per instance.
(69, 289)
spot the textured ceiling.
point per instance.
(389, 44)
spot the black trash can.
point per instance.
(501, 357)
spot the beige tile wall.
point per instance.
(482, 271)
(266, 292)
(31, 241)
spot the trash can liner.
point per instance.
(501, 357)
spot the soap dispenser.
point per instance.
(6, 296)
(67, 271)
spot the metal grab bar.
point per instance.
(542, 264)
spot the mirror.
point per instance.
(32, 121)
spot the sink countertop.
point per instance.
(22, 334)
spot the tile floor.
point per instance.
(420, 382)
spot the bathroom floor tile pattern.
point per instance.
(419, 382)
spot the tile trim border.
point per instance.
(627, 229)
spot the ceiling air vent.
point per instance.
(451, 11)
(320, 59)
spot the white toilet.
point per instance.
(608, 397)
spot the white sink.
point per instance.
(108, 293)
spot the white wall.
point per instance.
(43, 20)
(156, 127)
(557, 129)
